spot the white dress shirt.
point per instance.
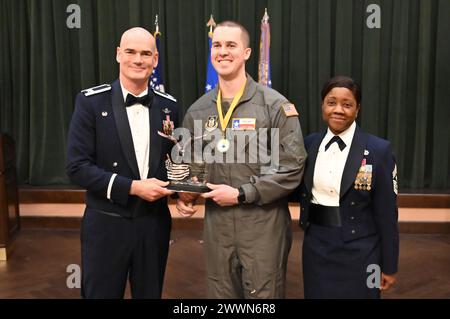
(329, 168)
(138, 118)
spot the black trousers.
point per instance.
(114, 249)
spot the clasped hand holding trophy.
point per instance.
(190, 186)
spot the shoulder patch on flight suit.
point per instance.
(165, 95)
(96, 89)
(289, 109)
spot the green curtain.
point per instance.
(403, 68)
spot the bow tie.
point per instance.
(338, 140)
(131, 100)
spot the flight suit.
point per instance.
(247, 245)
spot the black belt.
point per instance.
(324, 215)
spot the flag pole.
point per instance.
(211, 24)
(211, 74)
(156, 80)
(264, 76)
(157, 33)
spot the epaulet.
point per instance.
(96, 89)
(167, 96)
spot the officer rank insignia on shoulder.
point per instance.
(96, 89)
(289, 109)
(165, 95)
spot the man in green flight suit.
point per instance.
(247, 229)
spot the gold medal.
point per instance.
(223, 145)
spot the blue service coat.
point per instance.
(100, 144)
(363, 212)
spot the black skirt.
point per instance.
(333, 268)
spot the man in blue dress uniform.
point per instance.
(116, 154)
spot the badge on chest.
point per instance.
(363, 179)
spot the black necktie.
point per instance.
(338, 140)
(131, 100)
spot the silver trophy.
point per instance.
(182, 178)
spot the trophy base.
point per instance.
(188, 187)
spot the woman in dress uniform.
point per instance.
(348, 200)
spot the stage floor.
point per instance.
(37, 266)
